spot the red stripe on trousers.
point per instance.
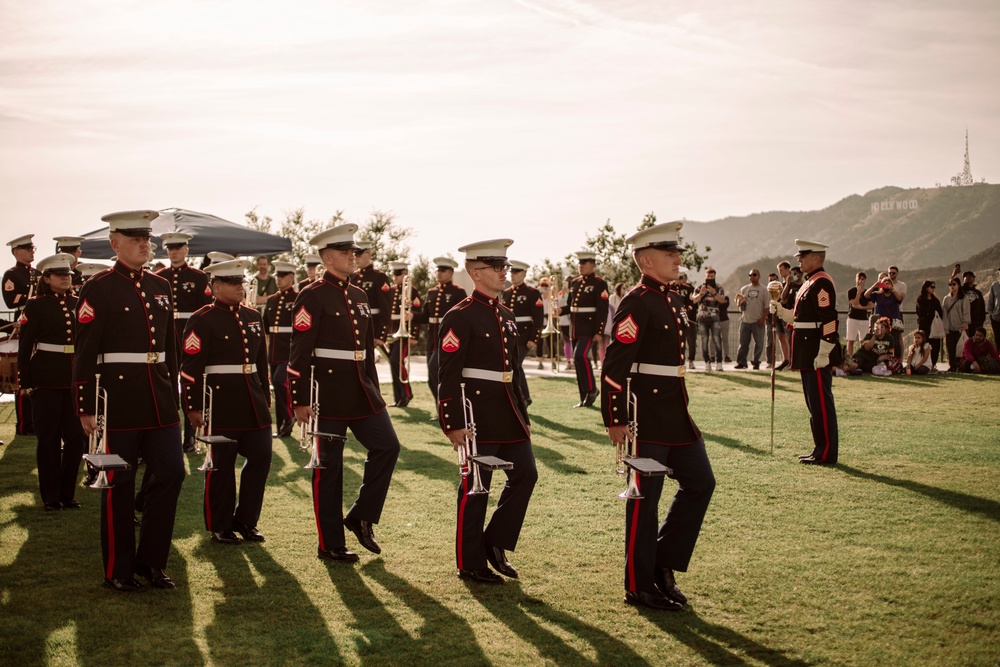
(316, 474)
(461, 518)
(590, 366)
(822, 409)
(631, 539)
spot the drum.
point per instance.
(8, 366)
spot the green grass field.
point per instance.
(891, 558)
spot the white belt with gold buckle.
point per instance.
(129, 358)
(51, 347)
(492, 376)
(346, 355)
(656, 369)
(231, 369)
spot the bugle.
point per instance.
(250, 299)
(309, 435)
(469, 460)
(402, 333)
(204, 432)
(97, 456)
(627, 461)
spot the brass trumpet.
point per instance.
(627, 461)
(310, 434)
(97, 456)
(250, 299)
(469, 460)
(204, 432)
(552, 325)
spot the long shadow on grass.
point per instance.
(243, 630)
(443, 634)
(525, 616)
(756, 381)
(733, 444)
(985, 507)
(718, 645)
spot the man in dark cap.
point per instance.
(439, 300)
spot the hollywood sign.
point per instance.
(894, 205)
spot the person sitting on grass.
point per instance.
(918, 355)
(979, 355)
(877, 350)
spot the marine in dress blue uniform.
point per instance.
(399, 348)
(647, 345)
(45, 364)
(224, 344)
(333, 333)
(587, 307)
(377, 287)
(189, 291)
(278, 325)
(439, 300)
(529, 312)
(71, 246)
(19, 282)
(478, 347)
(816, 349)
(126, 333)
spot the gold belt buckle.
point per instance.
(274, 329)
(507, 376)
(681, 370)
(247, 369)
(68, 349)
(176, 315)
(359, 355)
(152, 357)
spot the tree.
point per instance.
(254, 221)
(561, 271)
(300, 231)
(388, 237)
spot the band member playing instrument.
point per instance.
(399, 348)
(529, 313)
(278, 325)
(816, 349)
(71, 246)
(478, 348)
(587, 307)
(19, 282)
(126, 333)
(190, 291)
(313, 270)
(45, 363)
(333, 343)
(439, 301)
(377, 286)
(224, 344)
(647, 345)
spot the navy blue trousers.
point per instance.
(221, 509)
(817, 385)
(61, 443)
(282, 403)
(400, 388)
(584, 369)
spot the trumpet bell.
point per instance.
(550, 330)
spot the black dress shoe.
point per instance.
(591, 397)
(71, 504)
(156, 577)
(363, 531)
(337, 553)
(286, 429)
(581, 404)
(226, 537)
(52, 507)
(805, 456)
(129, 585)
(813, 461)
(498, 560)
(740, 366)
(652, 600)
(483, 575)
(402, 403)
(782, 366)
(189, 446)
(249, 534)
(667, 585)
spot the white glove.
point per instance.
(822, 359)
(784, 313)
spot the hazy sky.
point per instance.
(535, 120)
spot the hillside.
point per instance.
(910, 228)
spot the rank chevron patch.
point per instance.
(192, 344)
(823, 299)
(85, 313)
(627, 331)
(303, 320)
(450, 342)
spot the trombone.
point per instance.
(402, 334)
(204, 432)
(469, 460)
(627, 461)
(250, 299)
(97, 456)
(310, 434)
(552, 325)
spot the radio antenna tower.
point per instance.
(965, 178)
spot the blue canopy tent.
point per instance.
(209, 232)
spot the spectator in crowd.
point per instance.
(752, 300)
(613, 300)
(918, 355)
(883, 295)
(956, 320)
(979, 355)
(723, 354)
(977, 305)
(898, 286)
(266, 282)
(710, 298)
(857, 316)
(928, 305)
(769, 328)
(993, 307)
(686, 290)
(775, 325)
(877, 349)
(561, 301)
